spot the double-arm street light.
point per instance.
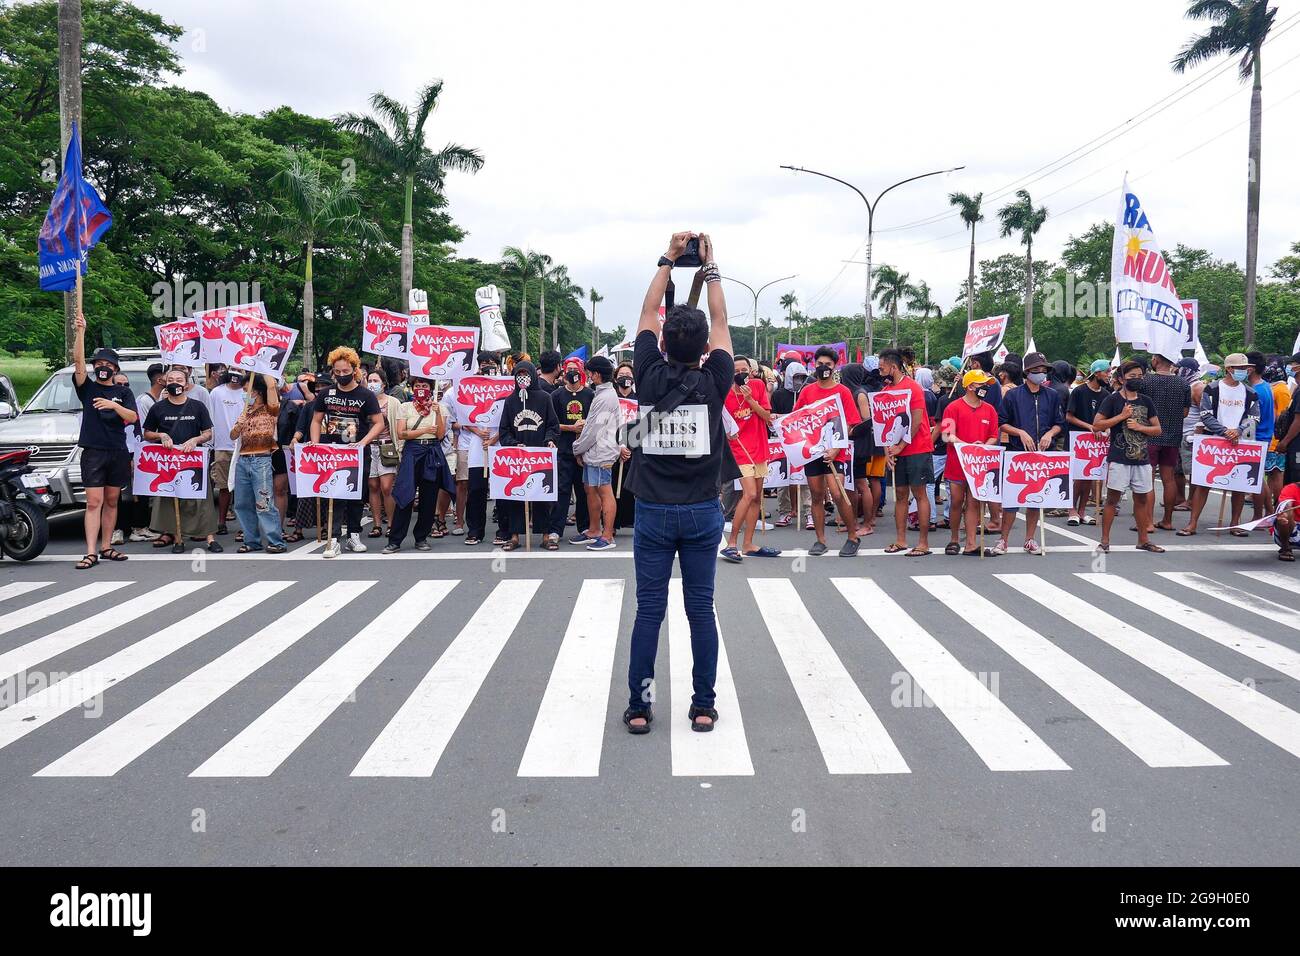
(756, 295)
(871, 212)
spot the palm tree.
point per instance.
(1021, 216)
(969, 209)
(395, 142)
(315, 210)
(595, 297)
(891, 289)
(919, 301)
(788, 302)
(558, 277)
(1240, 27)
(525, 265)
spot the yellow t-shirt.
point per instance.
(1281, 402)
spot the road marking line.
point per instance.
(267, 742)
(1239, 701)
(20, 658)
(723, 750)
(19, 588)
(1261, 649)
(1000, 738)
(1074, 535)
(570, 727)
(60, 602)
(851, 737)
(414, 740)
(37, 710)
(116, 746)
(1245, 600)
(1153, 739)
(1284, 581)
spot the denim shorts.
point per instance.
(597, 475)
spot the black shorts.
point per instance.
(102, 468)
(278, 466)
(817, 468)
(860, 465)
(914, 470)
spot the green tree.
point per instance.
(891, 290)
(968, 207)
(920, 300)
(524, 266)
(788, 302)
(595, 297)
(1238, 28)
(1021, 216)
(394, 140)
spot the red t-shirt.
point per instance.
(1290, 493)
(922, 442)
(750, 445)
(978, 425)
(813, 392)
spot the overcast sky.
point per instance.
(605, 126)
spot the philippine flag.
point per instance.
(1145, 304)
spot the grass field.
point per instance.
(26, 371)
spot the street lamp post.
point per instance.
(756, 295)
(871, 213)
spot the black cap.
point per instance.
(1034, 360)
(106, 355)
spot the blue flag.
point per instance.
(579, 353)
(75, 222)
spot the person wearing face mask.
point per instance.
(548, 371)
(226, 402)
(1288, 429)
(625, 514)
(818, 471)
(107, 410)
(527, 420)
(972, 420)
(911, 459)
(570, 403)
(345, 413)
(182, 422)
(289, 430)
(1229, 408)
(596, 449)
(254, 476)
(192, 388)
(794, 376)
(133, 520)
(1080, 416)
(385, 455)
(747, 404)
(421, 427)
(1031, 418)
(1133, 421)
(472, 446)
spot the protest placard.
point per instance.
(328, 471)
(522, 474)
(1036, 479)
(172, 472)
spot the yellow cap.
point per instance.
(975, 377)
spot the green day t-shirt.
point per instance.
(678, 456)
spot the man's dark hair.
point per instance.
(1130, 365)
(686, 334)
(156, 371)
(1257, 361)
(909, 354)
(549, 361)
(826, 351)
(892, 355)
(488, 357)
(1013, 372)
(603, 367)
(741, 358)
(1157, 360)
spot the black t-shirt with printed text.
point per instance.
(180, 422)
(347, 414)
(1128, 447)
(680, 479)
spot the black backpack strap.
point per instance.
(689, 383)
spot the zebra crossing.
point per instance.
(470, 638)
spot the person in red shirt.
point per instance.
(830, 467)
(969, 419)
(748, 406)
(1284, 525)
(911, 457)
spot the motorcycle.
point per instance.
(25, 500)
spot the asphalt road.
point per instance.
(464, 707)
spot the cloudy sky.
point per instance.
(607, 125)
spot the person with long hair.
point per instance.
(385, 454)
(254, 491)
(423, 472)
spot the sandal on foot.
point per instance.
(112, 554)
(293, 538)
(918, 553)
(551, 544)
(164, 541)
(952, 548)
(1239, 533)
(699, 726)
(1153, 548)
(1184, 532)
(511, 546)
(89, 561)
(246, 549)
(1286, 555)
(638, 713)
(895, 548)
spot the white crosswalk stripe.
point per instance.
(414, 740)
(1276, 579)
(269, 740)
(40, 708)
(55, 605)
(998, 736)
(570, 726)
(127, 739)
(1245, 600)
(1155, 741)
(723, 750)
(19, 588)
(851, 737)
(1243, 703)
(27, 655)
(1269, 653)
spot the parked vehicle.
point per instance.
(25, 498)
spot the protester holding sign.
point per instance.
(910, 455)
(1080, 414)
(345, 413)
(1172, 397)
(1132, 421)
(676, 472)
(176, 421)
(254, 491)
(854, 378)
(226, 402)
(826, 472)
(1229, 408)
(747, 404)
(1031, 417)
(527, 420)
(423, 472)
(968, 420)
(624, 386)
(570, 401)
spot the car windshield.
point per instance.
(58, 394)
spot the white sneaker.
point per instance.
(353, 543)
(143, 534)
(118, 538)
(332, 550)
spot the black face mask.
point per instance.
(235, 380)
(522, 383)
(574, 378)
(174, 388)
(824, 372)
(344, 379)
(624, 383)
(487, 370)
(741, 378)
(103, 373)
(981, 392)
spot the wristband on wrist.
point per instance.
(665, 261)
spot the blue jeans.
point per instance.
(255, 502)
(691, 533)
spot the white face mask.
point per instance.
(374, 386)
